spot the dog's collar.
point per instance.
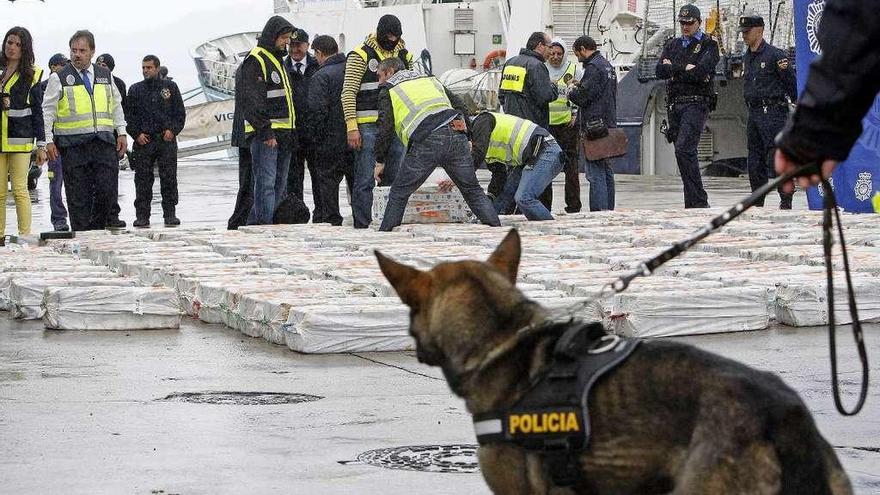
(547, 326)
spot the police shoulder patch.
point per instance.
(373, 65)
(70, 79)
(276, 77)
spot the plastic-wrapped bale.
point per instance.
(6, 279)
(101, 255)
(186, 285)
(804, 303)
(315, 289)
(129, 266)
(426, 205)
(264, 314)
(670, 313)
(861, 259)
(26, 293)
(111, 308)
(159, 273)
(208, 301)
(333, 329)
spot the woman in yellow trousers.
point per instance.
(21, 123)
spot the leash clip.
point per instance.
(612, 341)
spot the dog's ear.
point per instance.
(411, 285)
(506, 256)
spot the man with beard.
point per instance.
(267, 105)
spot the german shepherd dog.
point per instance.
(671, 419)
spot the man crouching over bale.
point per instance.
(430, 122)
(566, 408)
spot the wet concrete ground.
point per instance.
(81, 412)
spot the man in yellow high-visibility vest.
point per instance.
(430, 122)
(563, 120)
(268, 111)
(82, 108)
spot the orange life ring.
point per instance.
(487, 62)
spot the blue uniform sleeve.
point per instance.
(705, 66)
(664, 71)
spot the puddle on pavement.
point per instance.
(239, 398)
(428, 458)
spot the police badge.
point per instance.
(864, 187)
(166, 94)
(698, 48)
(70, 79)
(373, 65)
(276, 78)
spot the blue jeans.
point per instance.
(601, 177)
(525, 184)
(444, 148)
(270, 166)
(56, 182)
(364, 164)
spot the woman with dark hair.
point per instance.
(21, 122)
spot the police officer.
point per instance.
(269, 115)
(107, 61)
(842, 85)
(360, 97)
(770, 85)
(419, 110)
(155, 117)
(563, 120)
(82, 125)
(526, 91)
(301, 66)
(56, 172)
(689, 62)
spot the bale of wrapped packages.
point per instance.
(111, 308)
(186, 284)
(676, 313)
(6, 279)
(330, 328)
(804, 303)
(26, 293)
(426, 205)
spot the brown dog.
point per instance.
(671, 419)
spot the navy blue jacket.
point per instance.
(534, 102)
(300, 84)
(703, 55)
(768, 76)
(596, 94)
(154, 105)
(326, 121)
(842, 84)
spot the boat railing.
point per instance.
(218, 75)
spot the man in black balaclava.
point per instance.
(360, 105)
(106, 61)
(269, 116)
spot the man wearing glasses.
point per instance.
(689, 62)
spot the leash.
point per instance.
(648, 267)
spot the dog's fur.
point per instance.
(672, 419)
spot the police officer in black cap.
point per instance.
(770, 85)
(689, 62)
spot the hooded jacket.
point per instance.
(252, 88)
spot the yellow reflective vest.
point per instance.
(17, 130)
(81, 112)
(279, 98)
(560, 108)
(367, 100)
(509, 139)
(413, 100)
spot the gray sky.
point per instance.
(130, 29)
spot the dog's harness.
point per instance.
(553, 418)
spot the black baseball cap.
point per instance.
(689, 13)
(58, 59)
(299, 36)
(747, 22)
